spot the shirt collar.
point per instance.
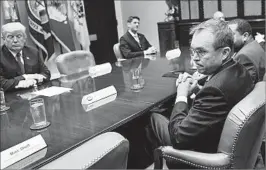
(15, 54)
(133, 35)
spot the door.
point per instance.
(102, 26)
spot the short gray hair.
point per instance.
(223, 35)
(13, 26)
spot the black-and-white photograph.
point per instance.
(132, 84)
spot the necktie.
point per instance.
(21, 65)
(137, 39)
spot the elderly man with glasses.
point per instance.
(198, 127)
(20, 65)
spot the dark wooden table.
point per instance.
(71, 125)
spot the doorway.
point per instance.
(102, 26)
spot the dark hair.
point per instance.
(242, 26)
(129, 20)
(222, 33)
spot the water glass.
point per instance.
(137, 82)
(37, 109)
(3, 106)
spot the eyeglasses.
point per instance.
(12, 37)
(200, 53)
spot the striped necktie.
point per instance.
(21, 65)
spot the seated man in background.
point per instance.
(219, 16)
(20, 65)
(199, 126)
(248, 51)
(134, 44)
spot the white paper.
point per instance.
(21, 151)
(51, 91)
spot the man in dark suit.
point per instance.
(134, 44)
(199, 126)
(20, 65)
(248, 51)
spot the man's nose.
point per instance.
(15, 39)
(194, 57)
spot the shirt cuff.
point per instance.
(181, 99)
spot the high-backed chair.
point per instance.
(74, 62)
(240, 140)
(117, 52)
(106, 151)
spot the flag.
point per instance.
(10, 11)
(39, 27)
(59, 22)
(76, 14)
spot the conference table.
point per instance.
(71, 124)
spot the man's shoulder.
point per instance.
(251, 48)
(30, 48)
(233, 74)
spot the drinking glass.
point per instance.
(3, 106)
(37, 109)
(137, 82)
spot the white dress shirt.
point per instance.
(135, 36)
(16, 58)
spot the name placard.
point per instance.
(21, 151)
(172, 54)
(99, 98)
(100, 70)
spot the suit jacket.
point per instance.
(200, 127)
(130, 48)
(10, 73)
(262, 44)
(252, 57)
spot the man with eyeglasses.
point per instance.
(20, 65)
(199, 126)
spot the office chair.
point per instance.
(106, 151)
(118, 54)
(240, 140)
(74, 62)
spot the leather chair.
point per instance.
(240, 140)
(106, 151)
(74, 62)
(117, 52)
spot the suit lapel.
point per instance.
(12, 60)
(132, 39)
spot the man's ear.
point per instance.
(2, 36)
(226, 52)
(245, 36)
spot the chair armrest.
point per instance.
(106, 151)
(192, 158)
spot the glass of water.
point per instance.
(37, 109)
(137, 82)
(3, 106)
